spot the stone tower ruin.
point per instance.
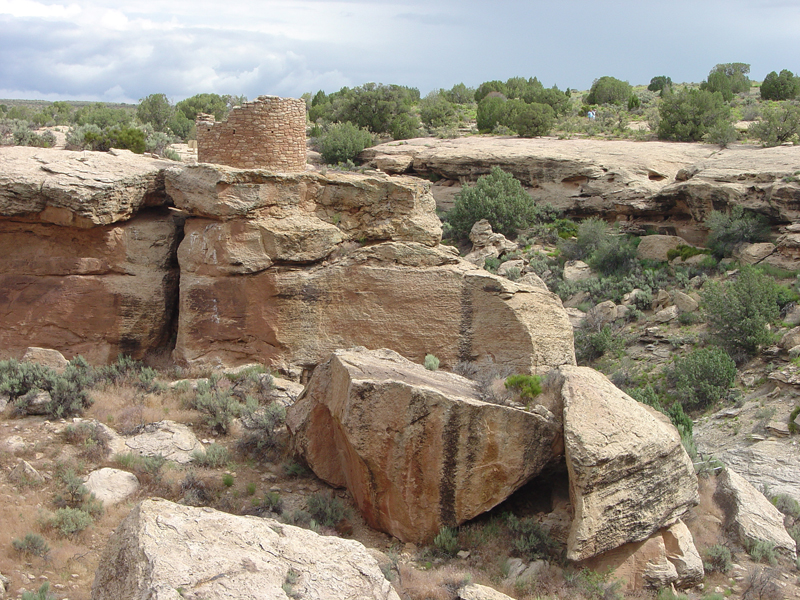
(268, 133)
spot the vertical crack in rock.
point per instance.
(465, 329)
(447, 482)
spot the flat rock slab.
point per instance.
(111, 486)
(417, 449)
(82, 189)
(173, 441)
(166, 551)
(629, 474)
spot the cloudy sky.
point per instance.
(116, 50)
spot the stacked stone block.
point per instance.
(267, 133)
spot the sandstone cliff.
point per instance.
(671, 186)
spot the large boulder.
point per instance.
(656, 247)
(111, 486)
(629, 474)
(165, 551)
(750, 516)
(417, 449)
(403, 295)
(360, 207)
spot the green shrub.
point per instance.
(262, 424)
(702, 376)
(227, 480)
(533, 120)
(70, 521)
(326, 509)
(778, 124)
(212, 457)
(446, 541)
(214, 399)
(647, 395)
(124, 138)
(688, 115)
(728, 230)
(431, 362)
(530, 540)
(718, 559)
(32, 545)
(528, 386)
(739, 311)
(683, 422)
(68, 390)
(780, 87)
(763, 551)
(436, 111)
(613, 255)
(787, 505)
(41, 594)
(498, 198)
(793, 428)
(684, 252)
(659, 82)
(343, 142)
(609, 90)
(591, 233)
(721, 133)
(490, 112)
(272, 502)
(590, 345)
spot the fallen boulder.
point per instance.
(417, 449)
(111, 486)
(750, 515)
(629, 474)
(165, 551)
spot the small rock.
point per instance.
(15, 444)
(112, 486)
(666, 315)
(662, 300)
(35, 402)
(46, 357)
(576, 270)
(684, 302)
(791, 338)
(463, 554)
(603, 313)
(630, 298)
(778, 428)
(656, 247)
(25, 474)
(510, 264)
(474, 591)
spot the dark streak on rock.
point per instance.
(447, 482)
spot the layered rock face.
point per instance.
(667, 185)
(79, 273)
(418, 449)
(166, 551)
(291, 267)
(629, 474)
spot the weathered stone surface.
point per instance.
(474, 591)
(487, 244)
(162, 547)
(5, 582)
(25, 474)
(503, 269)
(78, 189)
(656, 247)
(46, 357)
(533, 280)
(576, 270)
(111, 486)
(682, 553)
(629, 474)
(667, 314)
(361, 207)
(96, 292)
(417, 449)
(751, 254)
(684, 302)
(603, 313)
(406, 296)
(750, 515)
(790, 339)
(173, 441)
(673, 186)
